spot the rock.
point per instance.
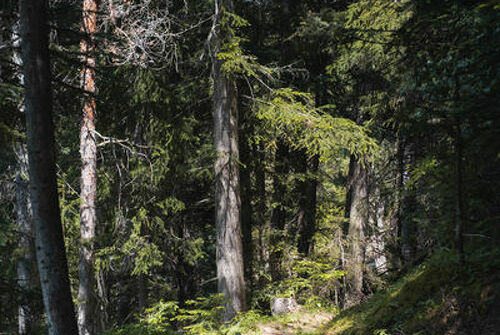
(283, 306)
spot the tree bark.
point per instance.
(260, 211)
(50, 250)
(26, 264)
(307, 224)
(375, 249)
(246, 206)
(88, 193)
(358, 216)
(278, 214)
(229, 250)
(399, 257)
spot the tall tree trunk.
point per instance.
(88, 152)
(399, 258)
(26, 264)
(278, 214)
(50, 250)
(141, 292)
(261, 210)
(358, 216)
(459, 203)
(307, 226)
(229, 249)
(375, 249)
(246, 206)
(102, 291)
(307, 222)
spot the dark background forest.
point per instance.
(175, 166)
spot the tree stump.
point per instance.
(283, 306)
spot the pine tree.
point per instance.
(50, 250)
(227, 184)
(88, 152)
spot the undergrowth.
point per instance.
(435, 297)
(438, 296)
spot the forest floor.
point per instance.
(309, 322)
(437, 297)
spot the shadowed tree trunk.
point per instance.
(278, 214)
(459, 203)
(358, 216)
(87, 317)
(396, 218)
(307, 214)
(26, 266)
(261, 210)
(50, 250)
(229, 248)
(246, 205)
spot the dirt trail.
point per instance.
(305, 323)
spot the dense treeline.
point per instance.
(171, 164)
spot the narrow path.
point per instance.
(301, 323)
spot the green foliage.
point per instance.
(235, 61)
(160, 316)
(303, 126)
(311, 282)
(199, 316)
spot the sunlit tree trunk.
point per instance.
(87, 316)
(50, 250)
(227, 188)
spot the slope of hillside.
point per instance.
(437, 297)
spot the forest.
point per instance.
(249, 167)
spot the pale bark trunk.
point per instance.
(229, 248)
(375, 250)
(50, 250)
(358, 216)
(88, 152)
(26, 263)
